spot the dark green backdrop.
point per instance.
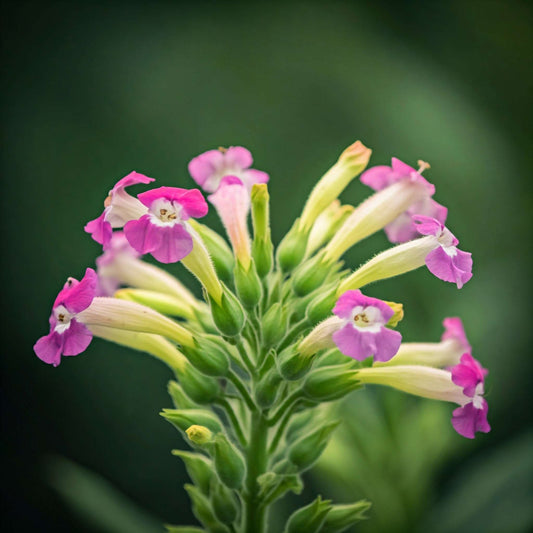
(94, 90)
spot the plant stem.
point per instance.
(281, 429)
(291, 399)
(246, 359)
(228, 409)
(257, 457)
(241, 388)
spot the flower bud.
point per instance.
(274, 325)
(321, 307)
(248, 285)
(330, 383)
(341, 517)
(299, 424)
(208, 356)
(397, 317)
(224, 503)
(199, 388)
(218, 249)
(202, 509)
(183, 419)
(330, 358)
(262, 249)
(179, 398)
(321, 336)
(309, 519)
(305, 451)
(199, 435)
(263, 255)
(228, 315)
(310, 275)
(267, 389)
(292, 365)
(229, 463)
(199, 468)
(291, 249)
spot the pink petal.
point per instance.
(238, 157)
(133, 178)
(350, 299)
(468, 374)
(354, 343)
(427, 225)
(77, 296)
(377, 177)
(252, 176)
(203, 166)
(467, 420)
(175, 243)
(456, 269)
(193, 203)
(76, 338)
(142, 235)
(169, 193)
(454, 329)
(401, 229)
(99, 229)
(387, 344)
(48, 348)
(402, 168)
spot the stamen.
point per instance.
(163, 212)
(61, 317)
(222, 149)
(422, 165)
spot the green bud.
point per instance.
(208, 356)
(299, 423)
(248, 285)
(228, 315)
(310, 275)
(272, 485)
(201, 508)
(179, 398)
(218, 249)
(292, 365)
(341, 517)
(274, 325)
(262, 249)
(267, 389)
(224, 503)
(331, 358)
(198, 387)
(229, 463)
(199, 468)
(397, 316)
(291, 249)
(199, 435)
(330, 383)
(309, 519)
(320, 308)
(263, 254)
(305, 451)
(185, 418)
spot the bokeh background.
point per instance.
(93, 90)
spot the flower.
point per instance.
(364, 333)
(208, 169)
(402, 228)
(454, 333)
(119, 208)
(161, 231)
(232, 202)
(472, 415)
(446, 261)
(67, 335)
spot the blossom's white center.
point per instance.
(367, 318)
(63, 318)
(477, 400)
(446, 240)
(165, 213)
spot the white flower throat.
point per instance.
(165, 213)
(63, 318)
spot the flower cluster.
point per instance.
(277, 334)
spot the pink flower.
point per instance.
(446, 261)
(471, 416)
(67, 335)
(162, 231)
(119, 208)
(364, 333)
(454, 331)
(232, 202)
(403, 229)
(209, 168)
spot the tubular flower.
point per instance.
(364, 333)
(67, 335)
(162, 231)
(208, 169)
(119, 208)
(402, 228)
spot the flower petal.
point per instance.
(193, 203)
(467, 420)
(203, 166)
(99, 229)
(454, 330)
(133, 178)
(175, 243)
(354, 343)
(448, 268)
(76, 338)
(48, 348)
(142, 235)
(377, 177)
(387, 344)
(238, 157)
(78, 295)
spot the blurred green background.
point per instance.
(93, 90)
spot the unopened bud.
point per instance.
(305, 451)
(291, 249)
(262, 249)
(179, 398)
(224, 503)
(309, 519)
(199, 468)
(267, 389)
(203, 511)
(274, 325)
(320, 308)
(228, 315)
(310, 275)
(397, 316)
(229, 463)
(248, 284)
(330, 383)
(292, 365)
(199, 435)
(341, 517)
(208, 356)
(200, 388)
(183, 419)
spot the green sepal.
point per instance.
(310, 275)
(299, 424)
(208, 356)
(201, 507)
(273, 486)
(274, 325)
(229, 463)
(309, 519)
(183, 419)
(331, 358)
(321, 307)
(267, 389)
(248, 285)
(263, 254)
(199, 468)
(224, 503)
(179, 398)
(292, 365)
(330, 383)
(200, 388)
(229, 315)
(306, 450)
(291, 249)
(341, 517)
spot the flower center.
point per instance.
(165, 212)
(63, 318)
(361, 320)
(368, 318)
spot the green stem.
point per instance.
(281, 429)
(246, 359)
(257, 458)
(236, 425)
(287, 404)
(241, 388)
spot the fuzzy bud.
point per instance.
(310, 275)
(248, 285)
(183, 419)
(305, 451)
(267, 389)
(330, 383)
(291, 249)
(224, 503)
(208, 356)
(200, 388)
(179, 398)
(292, 365)
(228, 315)
(274, 325)
(199, 435)
(341, 517)
(309, 519)
(321, 307)
(199, 468)
(229, 463)
(203, 511)
(262, 249)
